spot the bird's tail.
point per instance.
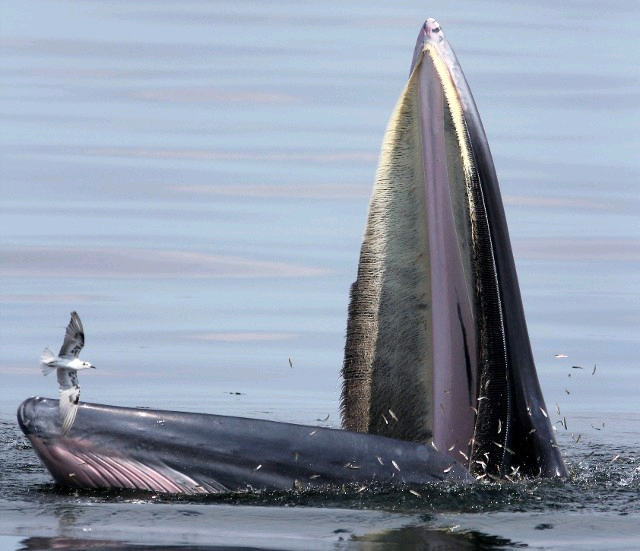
(45, 359)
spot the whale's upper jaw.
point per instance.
(437, 345)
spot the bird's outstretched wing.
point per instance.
(73, 338)
(69, 397)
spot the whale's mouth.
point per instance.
(437, 346)
(438, 368)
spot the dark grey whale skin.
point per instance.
(174, 452)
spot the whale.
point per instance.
(439, 380)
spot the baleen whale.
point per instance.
(439, 377)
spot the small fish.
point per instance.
(594, 370)
(290, 363)
(499, 426)
(543, 412)
(558, 408)
(395, 465)
(448, 469)
(615, 457)
(415, 493)
(560, 356)
(463, 455)
(567, 391)
(67, 365)
(577, 367)
(578, 439)
(393, 415)
(379, 460)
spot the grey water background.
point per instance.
(193, 179)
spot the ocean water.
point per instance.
(193, 179)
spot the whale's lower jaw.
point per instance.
(190, 453)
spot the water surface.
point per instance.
(193, 179)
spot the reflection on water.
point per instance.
(411, 537)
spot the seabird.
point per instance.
(67, 364)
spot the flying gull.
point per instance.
(67, 364)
